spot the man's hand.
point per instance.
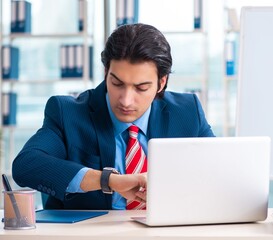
(130, 186)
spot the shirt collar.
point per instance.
(119, 127)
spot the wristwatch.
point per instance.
(104, 180)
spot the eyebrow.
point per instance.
(140, 84)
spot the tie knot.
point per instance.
(133, 131)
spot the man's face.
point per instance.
(132, 88)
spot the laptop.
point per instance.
(207, 180)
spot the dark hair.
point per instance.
(139, 43)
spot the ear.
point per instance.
(163, 82)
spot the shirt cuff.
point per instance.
(74, 185)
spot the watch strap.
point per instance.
(104, 180)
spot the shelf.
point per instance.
(232, 30)
(57, 35)
(231, 78)
(44, 81)
(186, 32)
(177, 77)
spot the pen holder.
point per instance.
(19, 209)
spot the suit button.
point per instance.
(48, 190)
(44, 189)
(53, 193)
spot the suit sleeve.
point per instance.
(205, 128)
(42, 164)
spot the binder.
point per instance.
(10, 62)
(70, 58)
(230, 57)
(20, 17)
(13, 16)
(63, 61)
(197, 14)
(81, 8)
(120, 12)
(9, 108)
(78, 67)
(129, 17)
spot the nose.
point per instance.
(126, 97)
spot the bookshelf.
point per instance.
(34, 88)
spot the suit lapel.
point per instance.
(158, 121)
(104, 127)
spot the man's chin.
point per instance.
(126, 119)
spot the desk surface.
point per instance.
(117, 225)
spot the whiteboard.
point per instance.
(254, 114)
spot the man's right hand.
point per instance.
(130, 186)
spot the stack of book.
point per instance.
(72, 61)
(127, 11)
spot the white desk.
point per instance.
(117, 225)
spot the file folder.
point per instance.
(131, 12)
(230, 58)
(78, 51)
(10, 62)
(63, 61)
(82, 6)
(66, 216)
(13, 16)
(70, 58)
(9, 108)
(120, 12)
(20, 17)
(197, 14)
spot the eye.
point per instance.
(142, 88)
(117, 83)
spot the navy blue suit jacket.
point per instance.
(78, 132)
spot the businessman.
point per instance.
(84, 155)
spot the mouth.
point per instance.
(126, 111)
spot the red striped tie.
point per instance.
(136, 162)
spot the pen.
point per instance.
(8, 188)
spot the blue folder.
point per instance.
(65, 216)
(9, 111)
